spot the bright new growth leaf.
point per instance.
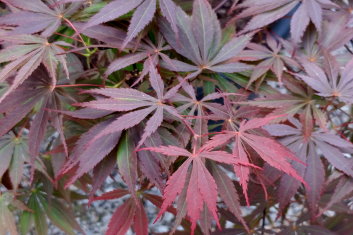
(201, 187)
(245, 138)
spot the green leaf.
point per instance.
(17, 162)
(59, 215)
(209, 87)
(40, 221)
(25, 223)
(7, 221)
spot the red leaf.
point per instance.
(122, 219)
(140, 220)
(201, 188)
(117, 193)
(228, 193)
(315, 177)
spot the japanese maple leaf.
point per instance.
(35, 16)
(343, 190)
(330, 81)
(39, 87)
(342, 12)
(198, 109)
(143, 15)
(138, 103)
(191, 104)
(24, 55)
(331, 28)
(14, 155)
(246, 137)
(271, 59)
(81, 160)
(199, 40)
(47, 206)
(308, 50)
(130, 213)
(201, 188)
(8, 227)
(313, 45)
(268, 11)
(145, 50)
(299, 100)
(151, 163)
(309, 149)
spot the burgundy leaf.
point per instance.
(113, 10)
(122, 219)
(140, 221)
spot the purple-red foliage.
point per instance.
(198, 107)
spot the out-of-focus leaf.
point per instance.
(59, 215)
(7, 220)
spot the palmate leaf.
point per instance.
(81, 161)
(299, 100)
(30, 53)
(330, 81)
(42, 208)
(271, 59)
(7, 220)
(267, 12)
(143, 15)
(14, 152)
(199, 40)
(145, 50)
(201, 188)
(38, 88)
(138, 103)
(311, 148)
(14, 156)
(130, 214)
(35, 16)
(198, 109)
(244, 137)
(342, 191)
